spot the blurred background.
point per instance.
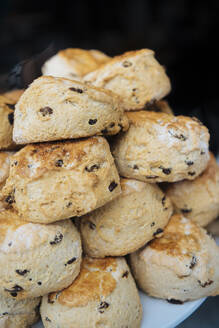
(183, 33)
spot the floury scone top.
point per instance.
(49, 182)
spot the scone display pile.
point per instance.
(94, 166)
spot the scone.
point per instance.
(198, 199)
(136, 76)
(159, 147)
(18, 314)
(213, 228)
(36, 259)
(7, 120)
(103, 295)
(55, 108)
(14, 95)
(73, 63)
(4, 171)
(127, 223)
(182, 265)
(54, 181)
(159, 106)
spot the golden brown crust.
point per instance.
(95, 280)
(9, 221)
(175, 241)
(181, 265)
(135, 76)
(81, 174)
(129, 54)
(160, 147)
(84, 61)
(49, 154)
(74, 63)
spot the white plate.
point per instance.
(160, 313)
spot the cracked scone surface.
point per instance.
(127, 223)
(55, 108)
(159, 147)
(7, 120)
(182, 265)
(18, 314)
(73, 63)
(198, 199)
(103, 295)
(4, 172)
(54, 181)
(136, 76)
(40, 258)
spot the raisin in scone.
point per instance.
(36, 259)
(73, 63)
(182, 265)
(4, 171)
(7, 120)
(127, 223)
(18, 314)
(136, 76)
(159, 147)
(53, 181)
(54, 108)
(198, 199)
(103, 295)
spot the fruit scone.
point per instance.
(7, 120)
(127, 223)
(7, 105)
(160, 147)
(103, 295)
(53, 181)
(180, 266)
(55, 108)
(36, 259)
(198, 199)
(74, 63)
(136, 76)
(18, 314)
(4, 172)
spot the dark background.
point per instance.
(184, 34)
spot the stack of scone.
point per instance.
(96, 142)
